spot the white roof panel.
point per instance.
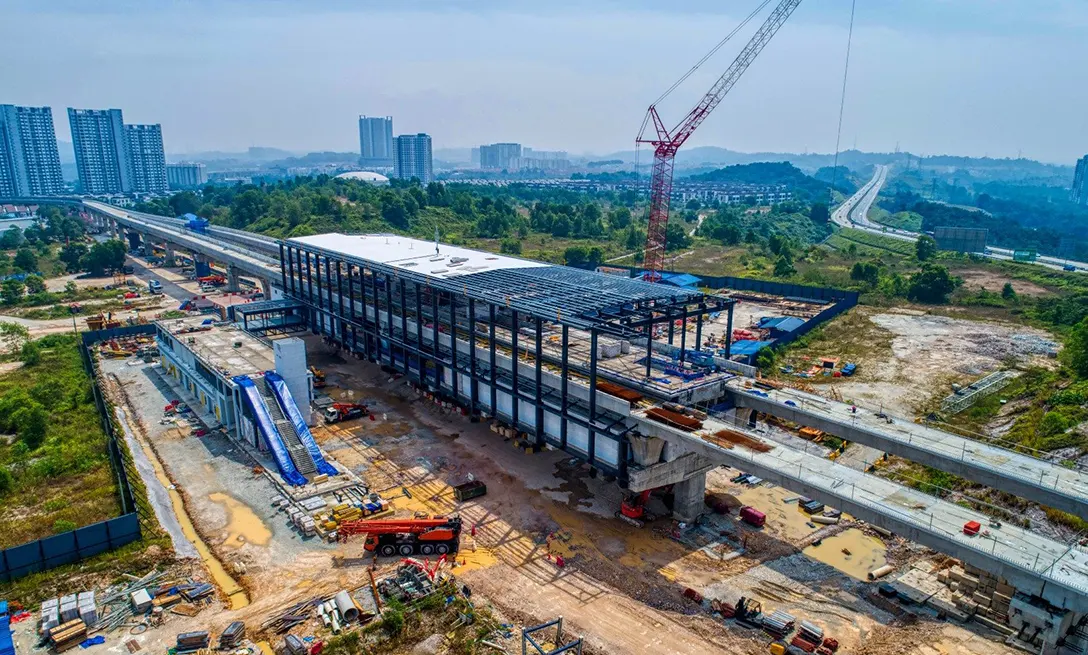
(415, 255)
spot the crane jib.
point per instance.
(668, 142)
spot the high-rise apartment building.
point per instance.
(112, 157)
(412, 157)
(29, 162)
(98, 138)
(186, 175)
(500, 156)
(1080, 182)
(146, 158)
(376, 141)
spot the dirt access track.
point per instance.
(621, 587)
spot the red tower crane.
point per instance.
(667, 142)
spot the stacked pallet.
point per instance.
(192, 641)
(980, 594)
(68, 635)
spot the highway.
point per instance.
(854, 213)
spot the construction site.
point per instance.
(406, 446)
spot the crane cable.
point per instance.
(710, 54)
(842, 106)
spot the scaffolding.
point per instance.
(971, 394)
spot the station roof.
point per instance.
(577, 297)
(227, 350)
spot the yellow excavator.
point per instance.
(319, 377)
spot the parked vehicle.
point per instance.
(154, 287)
(344, 412)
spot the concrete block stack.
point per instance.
(980, 594)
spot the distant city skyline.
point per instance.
(114, 157)
(931, 75)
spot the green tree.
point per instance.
(932, 284)
(185, 202)
(676, 237)
(1007, 292)
(1075, 353)
(11, 291)
(866, 272)
(248, 207)
(619, 218)
(925, 248)
(6, 481)
(25, 260)
(12, 238)
(31, 353)
(30, 424)
(693, 205)
(510, 246)
(819, 213)
(34, 284)
(13, 335)
(783, 267)
(103, 257)
(70, 289)
(70, 256)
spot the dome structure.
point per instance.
(364, 176)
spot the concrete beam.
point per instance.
(666, 473)
(994, 468)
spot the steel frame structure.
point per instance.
(370, 308)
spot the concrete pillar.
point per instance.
(169, 260)
(266, 288)
(688, 498)
(233, 279)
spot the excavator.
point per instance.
(319, 377)
(438, 535)
(337, 412)
(633, 509)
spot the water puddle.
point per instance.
(243, 525)
(852, 551)
(784, 519)
(229, 586)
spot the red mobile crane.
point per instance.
(434, 536)
(667, 142)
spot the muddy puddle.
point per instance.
(243, 525)
(852, 551)
(783, 519)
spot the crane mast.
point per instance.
(668, 142)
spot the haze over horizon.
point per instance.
(972, 77)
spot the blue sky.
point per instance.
(971, 77)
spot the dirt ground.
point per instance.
(994, 281)
(620, 586)
(907, 360)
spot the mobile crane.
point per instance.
(439, 535)
(344, 412)
(667, 142)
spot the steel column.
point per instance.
(283, 271)
(649, 346)
(491, 346)
(563, 391)
(683, 334)
(539, 401)
(453, 345)
(351, 291)
(515, 396)
(592, 450)
(729, 332)
(668, 317)
(389, 317)
(419, 334)
(434, 339)
(473, 386)
(699, 327)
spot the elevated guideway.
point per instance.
(266, 425)
(985, 463)
(1032, 563)
(242, 257)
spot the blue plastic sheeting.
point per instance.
(7, 647)
(268, 429)
(290, 410)
(746, 347)
(788, 324)
(683, 280)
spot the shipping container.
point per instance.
(753, 516)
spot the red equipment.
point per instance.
(212, 279)
(435, 536)
(633, 509)
(337, 412)
(667, 142)
(753, 516)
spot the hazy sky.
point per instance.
(972, 77)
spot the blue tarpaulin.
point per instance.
(268, 429)
(682, 280)
(747, 347)
(290, 410)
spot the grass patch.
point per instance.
(62, 477)
(842, 239)
(909, 221)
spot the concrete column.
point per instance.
(688, 498)
(266, 288)
(233, 279)
(170, 255)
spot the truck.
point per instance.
(154, 287)
(337, 412)
(438, 535)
